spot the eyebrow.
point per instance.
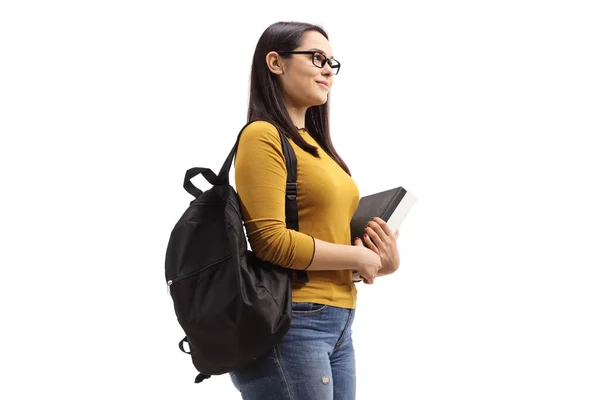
(314, 48)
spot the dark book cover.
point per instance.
(382, 205)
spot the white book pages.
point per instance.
(401, 211)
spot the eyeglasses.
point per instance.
(318, 59)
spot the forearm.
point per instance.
(331, 256)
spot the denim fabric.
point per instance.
(314, 360)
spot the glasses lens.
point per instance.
(335, 66)
(319, 60)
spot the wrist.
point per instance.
(388, 270)
(357, 256)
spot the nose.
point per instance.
(327, 70)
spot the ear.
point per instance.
(274, 63)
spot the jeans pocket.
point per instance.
(307, 308)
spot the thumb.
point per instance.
(357, 241)
(396, 234)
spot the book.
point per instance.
(391, 205)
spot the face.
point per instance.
(299, 77)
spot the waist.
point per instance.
(333, 288)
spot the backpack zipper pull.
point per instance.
(169, 283)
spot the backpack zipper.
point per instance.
(190, 274)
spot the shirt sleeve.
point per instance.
(260, 177)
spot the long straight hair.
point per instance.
(266, 97)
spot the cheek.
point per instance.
(303, 85)
(306, 80)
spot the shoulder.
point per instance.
(260, 131)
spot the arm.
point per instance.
(260, 176)
(331, 256)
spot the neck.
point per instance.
(297, 114)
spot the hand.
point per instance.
(380, 239)
(369, 262)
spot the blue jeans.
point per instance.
(313, 361)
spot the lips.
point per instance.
(324, 83)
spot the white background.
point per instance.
(487, 111)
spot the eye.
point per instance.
(319, 58)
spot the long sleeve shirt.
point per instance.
(327, 199)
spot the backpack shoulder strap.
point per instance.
(291, 193)
(291, 188)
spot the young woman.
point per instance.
(292, 73)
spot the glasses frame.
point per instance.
(313, 52)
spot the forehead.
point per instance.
(315, 41)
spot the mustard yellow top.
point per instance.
(327, 199)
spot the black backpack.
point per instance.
(232, 306)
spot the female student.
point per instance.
(292, 72)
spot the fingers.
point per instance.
(377, 228)
(396, 234)
(383, 225)
(367, 280)
(373, 243)
(374, 236)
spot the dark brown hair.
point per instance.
(266, 98)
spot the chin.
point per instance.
(323, 100)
